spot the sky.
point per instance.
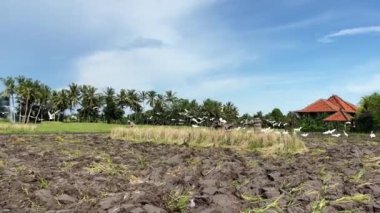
(258, 54)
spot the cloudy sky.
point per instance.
(259, 54)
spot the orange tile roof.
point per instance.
(339, 116)
(348, 107)
(320, 105)
(333, 104)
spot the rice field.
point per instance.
(268, 144)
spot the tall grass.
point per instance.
(8, 127)
(205, 137)
(56, 127)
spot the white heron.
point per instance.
(196, 121)
(221, 120)
(345, 133)
(195, 126)
(52, 116)
(298, 129)
(305, 135)
(372, 135)
(192, 203)
(329, 132)
(336, 135)
(285, 132)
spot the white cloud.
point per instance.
(349, 32)
(152, 48)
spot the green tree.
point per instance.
(111, 111)
(212, 108)
(230, 112)
(151, 95)
(90, 102)
(369, 113)
(277, 115)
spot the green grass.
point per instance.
(56, 127)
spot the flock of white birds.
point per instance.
(274, 124)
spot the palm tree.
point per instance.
(60, 101)
(73, 96)
(212, 108)
(170, 96)
(134, 101)
(44, 95)
(24, 89)
(35, 95)
(111, 110)
(151, 97)
(143, 96)
(10, 91)
(91, 102)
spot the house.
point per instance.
(334, 108)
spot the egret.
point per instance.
(52, 116)
(345, 133)
(192, 203)
(298, 129)
(221, 120)
(305, 135)
(372, 135)
(285, 133)
(336, 135)
(195, 126)
(195, 121)
(329, 132)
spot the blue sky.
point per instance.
(257, 54)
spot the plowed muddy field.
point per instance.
(93, 173)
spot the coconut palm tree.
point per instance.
(143, 96)
(170, 97)
(151, 97)
(90, 102)
(61, 101)
(43, 98)
(122, 99)
(73, 96)
(10, 91)
(24, 90)
(134, 101)
(111, 110)
(34, 97)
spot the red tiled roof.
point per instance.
(339, 116)
(320, 105)
(348, 107)
(333, 104)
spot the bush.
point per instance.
(365, 122)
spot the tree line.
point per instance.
(34, 101)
